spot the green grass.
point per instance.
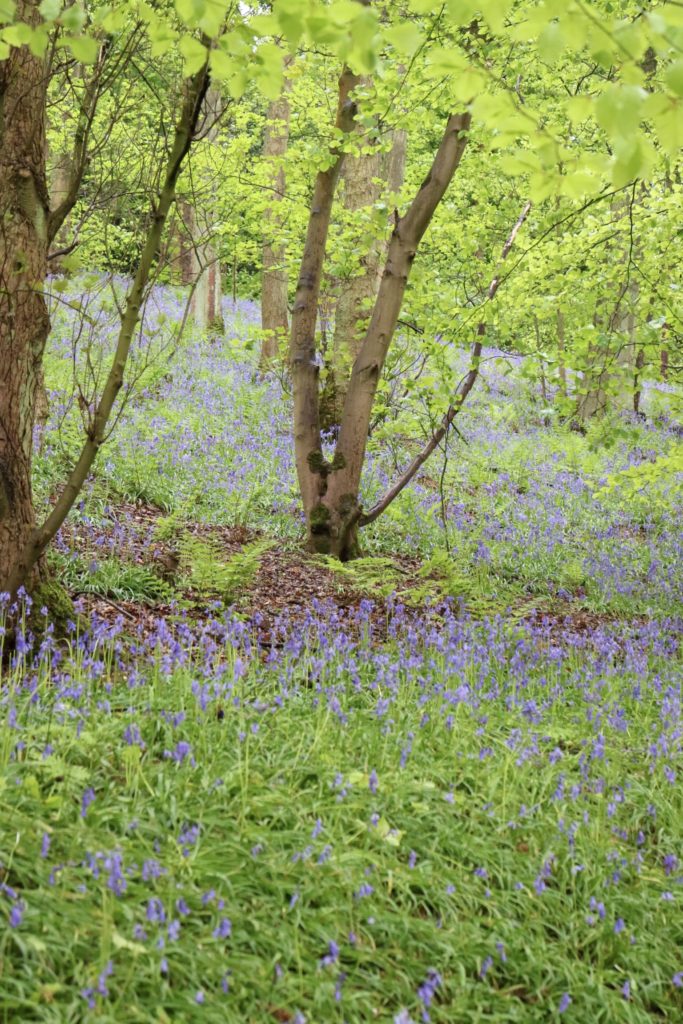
(276, 750)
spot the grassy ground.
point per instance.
(205, 831)
(458, 815)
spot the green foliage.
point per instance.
(377, 576)
(210, 574)
(111, 577)
(650, 479)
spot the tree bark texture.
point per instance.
(302, 347)
(274, 297)
(24, 321)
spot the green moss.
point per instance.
(347, 504)
(338, 462)
(319, 518)
(50, 594)
(317, 464)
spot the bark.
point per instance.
(302, 348)
(561, 350)
(640, 363)
(331, 490)
(274, 299)
(32, 549)
(365, 178)
(24, 321)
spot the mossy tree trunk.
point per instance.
(330, 489)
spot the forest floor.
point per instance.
(440, 784)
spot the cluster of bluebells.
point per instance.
(525, 504)
(535, 699)
(487, 700)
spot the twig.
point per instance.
(462, 391)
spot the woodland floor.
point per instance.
(288, 582)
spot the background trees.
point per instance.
(577, 109)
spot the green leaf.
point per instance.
(222, 65)
(50, 9)
(551, 42)
(674, 77)
(17, 35)
(84, 48)
(495, 12)
(405, 38)
(290, 15)
(270, 72)
(460, 12)
(193, 54)
(73, 18)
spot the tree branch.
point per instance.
(462, 391)
(42, 535)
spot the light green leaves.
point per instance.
(405, 37)
(551, 42)
(193, 54)
(50, 9)
(674, 77)
(206, 15)
(84, 48)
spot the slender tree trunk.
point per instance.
(664, 364)
(330, 491)
(302, 348)
(640, 363)
(24, 321)
(365, 178)
(29, 547)
(274, 299)
(199, 262)
(187, 233)
(561, 350)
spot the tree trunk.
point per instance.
(274, 300)
(561, 350)
(640, 363)
(28, 550)
(365, 178)
(24, 321)
(199, 262)
(302, 348)
(330, 490)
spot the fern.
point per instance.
(372, 575)
(206, 571)
(482, 592)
